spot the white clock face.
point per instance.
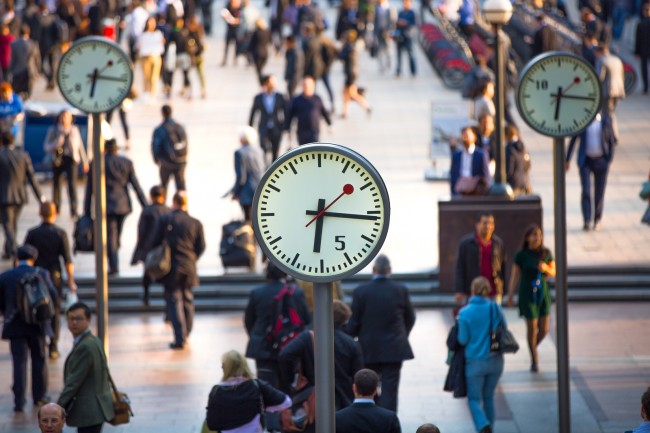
(95, 75)
(321, 212)
(559, 94)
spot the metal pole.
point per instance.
(561, 298)
(99, 191)
(324, 354)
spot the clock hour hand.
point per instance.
(584, 98)
(93, 78)
(558, 98)
(318, 233)
(344, 215)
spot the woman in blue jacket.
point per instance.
(483, 367)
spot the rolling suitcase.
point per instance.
(237, 247)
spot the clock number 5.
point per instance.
(339, 240)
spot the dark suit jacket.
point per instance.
(119, 174)
(607, 143)
(382, 318)
(479, 167)
(308, 111)
(259, 315)
(86, 393)
(366, 418)
(269, 122)
(15, 171)
(148, 220)
(184, 235)
(468, 265)
(641, 45)
(25, 57)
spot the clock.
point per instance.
(95, 74)
(559, 94)
(321, 212)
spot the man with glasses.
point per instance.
(86, 394)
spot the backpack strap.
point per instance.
(262, 407)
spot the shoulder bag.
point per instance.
(501, 339)
(121, 404)
(158, 262)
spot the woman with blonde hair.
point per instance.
(236, 403)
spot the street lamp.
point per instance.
(498, 13)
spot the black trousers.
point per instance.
(598, 167)
(123, 120)
(269, 370)
(179, 302)
(90, 429)
(644, 71)
(114, 224)
(389, 375)
(68, 168)
(9, 215)
(35, 345)
(178, 171)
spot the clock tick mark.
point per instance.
(274, 188)
(275, 240)
(364, 237)
(268, 214)
(295, 259)
(365, 186)
(292, 168)
(347, 258)
(347, 164)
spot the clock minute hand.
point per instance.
(584, 98)
(106, 77)
(344, 215)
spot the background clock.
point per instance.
(95, 74)
(559, 94)
(321, 212)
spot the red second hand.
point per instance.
(347, 189)
(576, 80)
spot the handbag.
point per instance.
(158, 262)
(470, 185)
(501, 339)
(538, 289)
(121, 404)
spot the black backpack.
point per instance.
(83, 235)
(230, 406)
(286, 324)
(176, 147)
(34, 303)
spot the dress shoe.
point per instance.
(176, 346)
(486, 429)
(534, 367)
(585, 227)
(42, 402)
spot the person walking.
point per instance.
(531, 268)
(294, 61)
(184, 236)
(196, 49)
(469, 173)
(150, 46)
(641, 45)
(86, 393)
(64, 144)
(348, 55)
(52, 244)
(24, 337)
(309, 109)
(272, 108)
(258, 46)
(119, 175)
(404, 28)
(612, 77)
(15, 171)
(249, 168)
(384, 25)
(25, 65)
(517, 162)
(169, 149)
(382, 319)
(483, 368)
(12, 111)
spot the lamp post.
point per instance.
(498, 13)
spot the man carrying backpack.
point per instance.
(26, 303)
(169, 149)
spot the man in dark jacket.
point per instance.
(472, 248)
(148, 220)
(308, 108)
(363, 416)
(25, 66)
(169, 149)
(642, 46)
(184, 235)
(517, 162)
(382, 319)
(119, 175)
(15, 171)
(24, 337)
(271, 107)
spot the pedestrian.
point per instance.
(179, 58)
(259, 317)
(612, 77)
(469, 173)
(382, 319)
(404, 29)
(122, 110)
(312, 51)
(120, 173)
(136, 24)
(184, 235)
(52, 244)
(384, 25)
(480, 253)
(483, 368)
(309, 109)
(49, 41)
(272, 108)
(12, 112)
(86, 393)
(15, 171)
(51, 418)
(150, 47)
(531, 268)
(24, 337)
(641, 46)
(645, 413)
(517, 162)
(329, 53)
(258, 47)
(595, 154)
(148, 220)
(232, 15)
(348, 55)
(6, 39)
(196, 49)
(428, 428)
(25, 63)
(486, 138)
(363, 416)
(169, 149)
(66, 148)
(545, 37)
(293, 66)
(348, 359)
(483, 102)
(249, 168)
(238, 402)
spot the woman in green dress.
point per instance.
(533, 264)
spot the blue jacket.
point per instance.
(479, 167)
(608, 141)
(474, 324)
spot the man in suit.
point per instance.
(51, 418)
(15, 171)
(382, 318)
(184, 235)
(148, 220)
(308, 108)
(641, 45)
(595, 154)
(469, 162)
(24, 338)
(363, 416)
(119, 175)
(52, 244)
(169, 149)
(272, 108)
(86, 394)
(25, 63)
(612, 76)
(249, 168)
